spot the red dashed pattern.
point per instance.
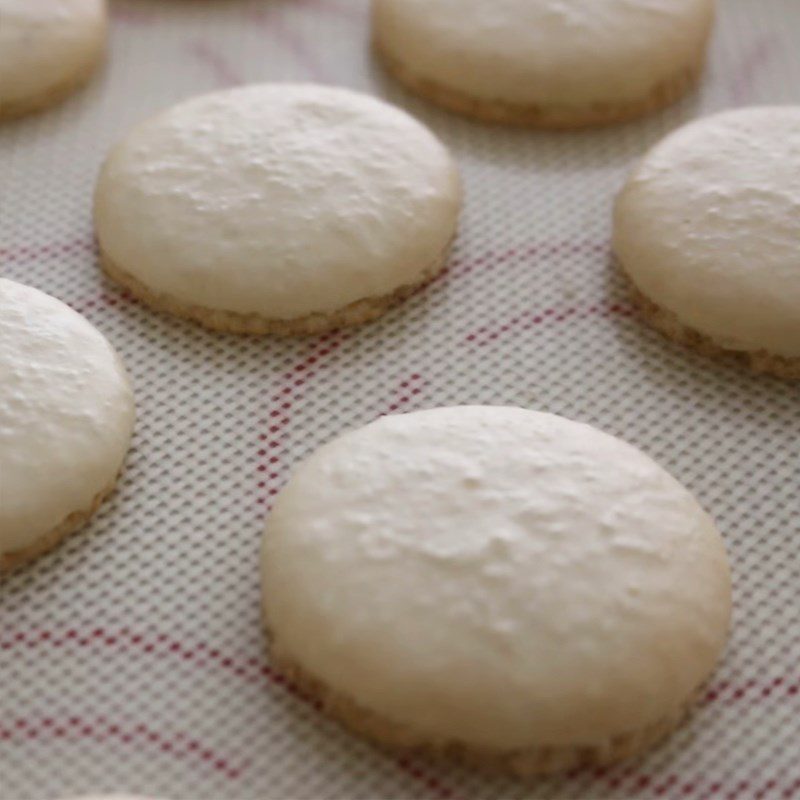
(273, 22)
(179, 745)
(406, 392)
(217, 64)
(48, 250)
(750, 67)
(531, 319)
(292, 387)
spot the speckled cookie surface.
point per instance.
(66, 418)
(707, 227)
(47, 48)
(505, 554)
(277, 201)
(549, 62)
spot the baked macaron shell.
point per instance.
(548, 52)
(46, 48)
(66, 414)
(707, 227)
(497, 577)
(279, 200)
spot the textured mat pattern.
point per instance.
(132, 658)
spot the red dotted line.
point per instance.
(201, 655)
(434, 785)
(272, 20)
(25, 253)
(104, 299)
(221, 68)
(750, 689)
(674, 786)
(531, 319)
(158, 645)
(179, 745)
(406, 392)
(753, 61)
(291, 390)
(253, 670)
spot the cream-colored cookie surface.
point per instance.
(497, 577)
(545, 52)
(278, 200)
(707, 227)
(66, 415)
(47, 47)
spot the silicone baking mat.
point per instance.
(132, 658)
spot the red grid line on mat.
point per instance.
(674, 786)
(200, 655)
(105, 299)
(528, 320)
(405, 392)
(22, 254)
(437, 788)
(225, 74)
(755, 59)
(252, 670)
(179, 746)
(291, 389)
(274, 24)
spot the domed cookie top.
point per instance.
(66, 417)
(525, 588)
(277, 208)
(707, 228)
(553, 63)
(47, 47)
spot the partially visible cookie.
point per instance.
(545, 63)
(707, 230)
(47, 49)
(500, 585)
(277, 208)
(66, 418)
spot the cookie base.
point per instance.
(522, 763)
(356, 313)
(548, 116)
(22, 106)
(44, 544)
(669, 325)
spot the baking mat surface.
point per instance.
(132, 658)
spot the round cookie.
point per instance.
(277, 208)
(545, 63)
(707, 230)
(501, 585)
(66, 418)
(47, 49)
